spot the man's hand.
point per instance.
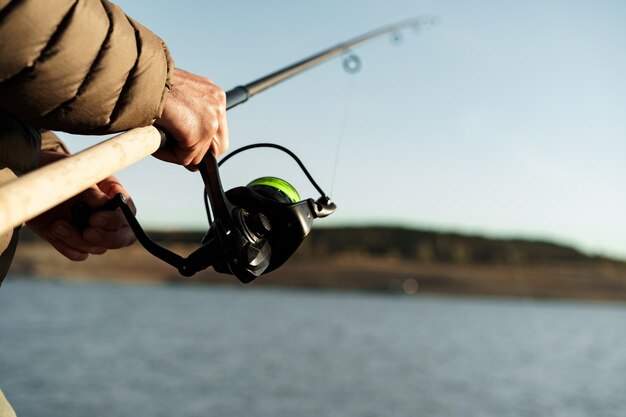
(195, 116)
(107, 230)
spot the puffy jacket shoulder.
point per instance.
(80, 66)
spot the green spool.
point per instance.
(282, 186)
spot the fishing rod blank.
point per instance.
(351, 64)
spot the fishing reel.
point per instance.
(253, 229)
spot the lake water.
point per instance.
(123, 350)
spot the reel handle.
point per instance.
(231, 253)
(200, 259)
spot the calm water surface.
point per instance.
(114, 350)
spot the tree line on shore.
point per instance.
(426, 246)
(437, 247)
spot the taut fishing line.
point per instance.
(342, 129)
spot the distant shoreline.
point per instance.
(587, 279)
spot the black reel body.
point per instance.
(252, 230)
(261, 225)
(284, 225)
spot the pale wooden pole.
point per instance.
(32, 194)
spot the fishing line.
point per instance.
(351, 63)
(342, 129)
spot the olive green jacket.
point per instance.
(80, 66)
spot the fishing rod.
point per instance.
(351, 64)
(253, 229)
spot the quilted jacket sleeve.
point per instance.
(80, 66)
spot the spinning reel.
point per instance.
(252, 230)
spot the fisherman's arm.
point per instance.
(87, 68)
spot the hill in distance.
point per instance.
(390, 259)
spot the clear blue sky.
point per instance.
(508, 119)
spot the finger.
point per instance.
(219, 145)
(108, 220)
(192, 153)
(198, 141)
(67, 240)
(68, 251)
(75, 247)
(201, 153)
(172, 156)
(63, 231)
(96, 250)
(110, 239)
(166, 155)
(181, 151)
(185, 157)
(223, 136)
(111, 186)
